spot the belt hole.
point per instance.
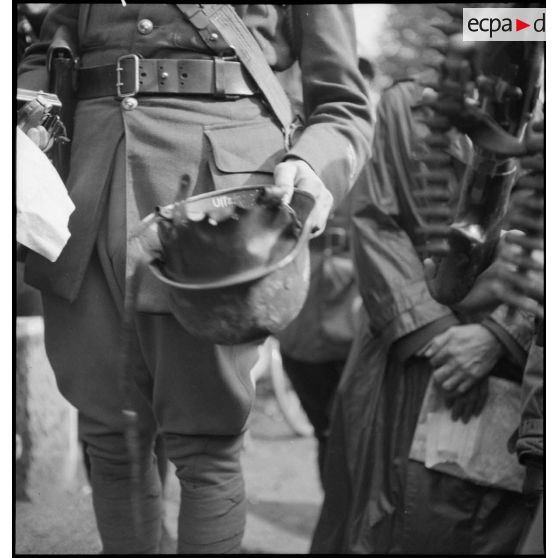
(143, 74)
(184, 75)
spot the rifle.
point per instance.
(487, 91)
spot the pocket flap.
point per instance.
(246, 147)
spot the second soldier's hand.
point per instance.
(461, 356)
(296, 173)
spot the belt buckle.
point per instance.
(219, 76)
(120, 68)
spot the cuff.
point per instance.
(514, 329)
(514, 352)
(408, 345)
(331, 156)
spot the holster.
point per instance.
(62, 68)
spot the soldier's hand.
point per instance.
(469, 404)
(40, 136)
(462, 356)
(296, 173)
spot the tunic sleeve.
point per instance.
(515, 331)
(389, 271)
(336, 142)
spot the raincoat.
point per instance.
(376, 499)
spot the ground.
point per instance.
(282, 485)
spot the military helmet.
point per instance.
(235, 262)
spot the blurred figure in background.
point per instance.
(530, 445)
(315, 346)
(520, 283)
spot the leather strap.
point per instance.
(217, 77)
(208, 33)
(239, 39)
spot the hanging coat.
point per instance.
(376, 499)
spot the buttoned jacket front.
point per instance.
(163, 135)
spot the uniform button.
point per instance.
(145, 26)
(129, 103)
(213, 36)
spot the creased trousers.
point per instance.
(197, 395)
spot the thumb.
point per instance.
(39, 136)
(324, 202)
(284, 177)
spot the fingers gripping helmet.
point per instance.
(235, 263)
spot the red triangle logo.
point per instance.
(519, 25)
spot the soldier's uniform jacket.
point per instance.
(216, 143)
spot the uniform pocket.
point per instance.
(244, 153)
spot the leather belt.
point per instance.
(333, 239)
(132, 75)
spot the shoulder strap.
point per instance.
(236, 34)
(205, 28)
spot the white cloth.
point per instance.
(42, 201)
